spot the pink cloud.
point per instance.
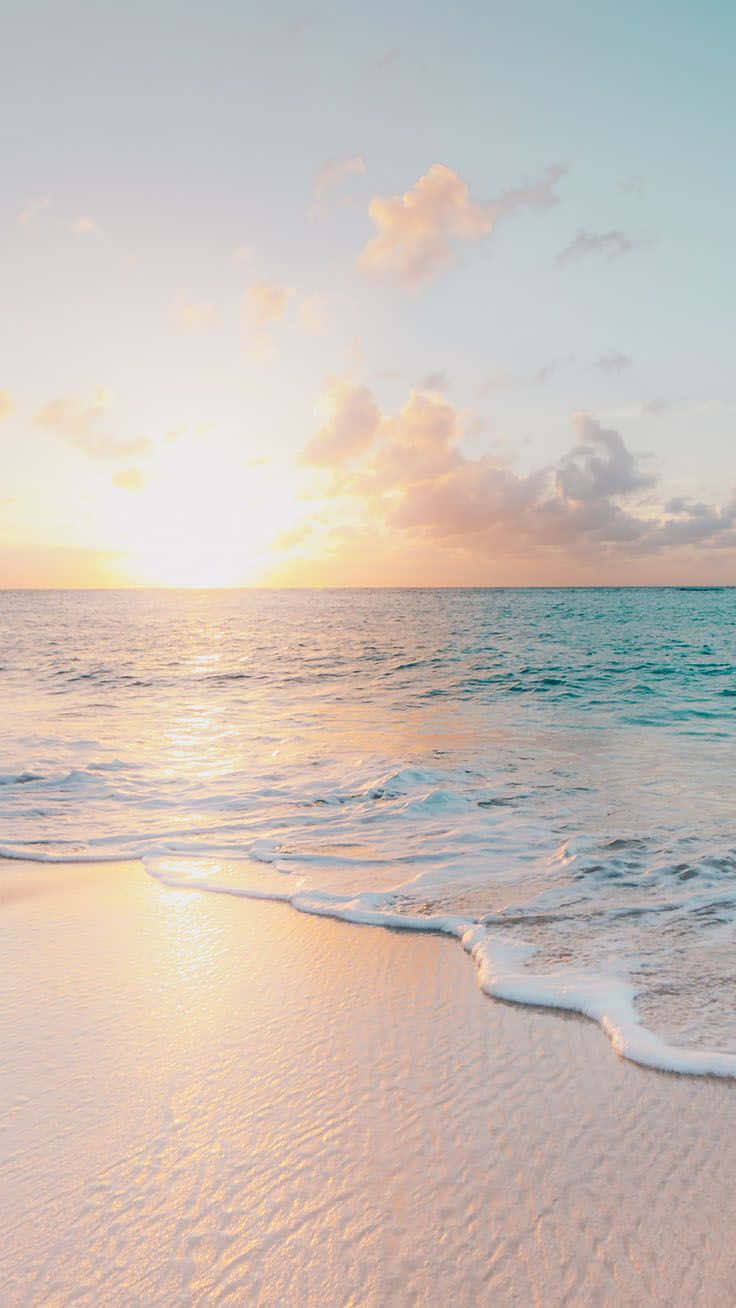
(417, 231)
(266, 304)
(313, 315)
(193, 315)
(32, 209)
(408, 476)
(330, 175)
(82, 424)
(85, 227)
(353, 422)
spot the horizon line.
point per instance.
(497, 586)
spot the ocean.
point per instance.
(547, 775)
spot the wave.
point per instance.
(501, 969)
(551, 768)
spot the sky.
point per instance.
(389, 294)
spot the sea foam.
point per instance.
(502, 969)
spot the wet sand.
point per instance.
(210, 1100)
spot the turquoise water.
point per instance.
(554, 765)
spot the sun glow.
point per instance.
(205, 517)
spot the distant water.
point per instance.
(544, 768)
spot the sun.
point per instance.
(205, 517)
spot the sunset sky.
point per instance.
(377, 295)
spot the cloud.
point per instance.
(693, 523)
(80, 424)
(243, 254)
(330, 175)
(611, 245)
(420, 442)
(129, 479)
(434, 381)
(388, 57)
(193, 315)
(289, 540)
(302, 23)
(614, 362)
(85, 227)
(353, 421)
(655, 408)
(312, 315)
(599, 465)
(32, 209)
(417, 231)
(501, 380)
(265, 305)
(407, 477)
(7, 405)
(82, 226)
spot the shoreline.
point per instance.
(219, 1101)
(607, 1001)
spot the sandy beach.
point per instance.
(209, 1100)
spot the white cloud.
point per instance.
(7, 405)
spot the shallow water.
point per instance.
(555, 765)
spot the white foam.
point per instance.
(608, 1001)
(26, 854)
(501, 968)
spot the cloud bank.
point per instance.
(408, 479)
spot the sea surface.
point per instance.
(549, 775)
